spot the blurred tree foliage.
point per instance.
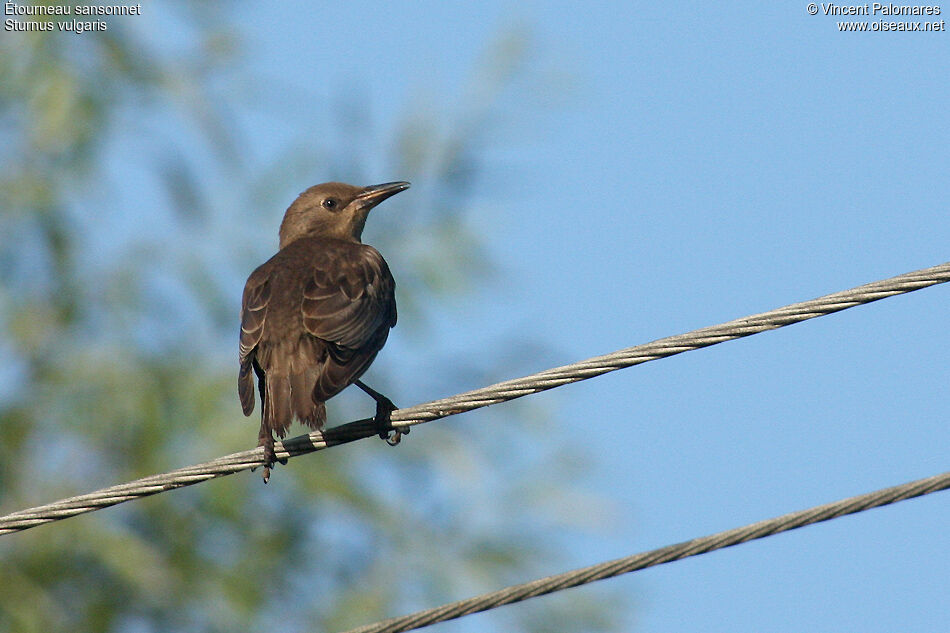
(118, 340)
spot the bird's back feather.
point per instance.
(313, 318)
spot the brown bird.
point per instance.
(314, 316)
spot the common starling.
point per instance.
(314, 316)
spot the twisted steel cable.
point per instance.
(694, 547)
(672, 345)
(500, 392)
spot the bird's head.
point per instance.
(334, 209)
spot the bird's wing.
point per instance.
(348, 300)
(254, 310)
(253, 313)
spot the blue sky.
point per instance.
(667, 166)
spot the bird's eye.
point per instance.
(329, 203)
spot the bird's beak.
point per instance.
(374, 194)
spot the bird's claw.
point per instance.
(382, 419)
(396, 436)
(384, 409)
(270, 457)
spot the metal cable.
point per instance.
(672, 345)
(609, 569)
(500, 392)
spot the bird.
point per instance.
(315, 315)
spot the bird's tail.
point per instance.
(288, 398)
(288, 391)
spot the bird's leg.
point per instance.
(384, 407)
(266, 439)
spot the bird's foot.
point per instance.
(270, 457)
(384, 409)
(382, 419)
